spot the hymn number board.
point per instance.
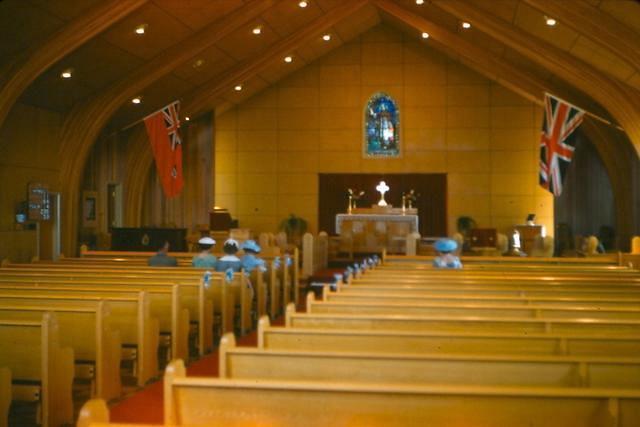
(38, 199)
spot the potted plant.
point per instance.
(294, 227)
(464, 225)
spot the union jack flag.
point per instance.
(172, 121)
(557, 142)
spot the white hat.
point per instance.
(207, 241)
(232, 242)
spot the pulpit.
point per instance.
(528, 235)
(371, 230)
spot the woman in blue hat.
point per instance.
(445, 258)
(204, 259)
(250, 260)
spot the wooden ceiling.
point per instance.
(604, 35)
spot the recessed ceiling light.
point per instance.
(288, 59)
(466, 25)
(425, 35)
(137, 100)
(257, 30)
(140, 29)
(187, 118)
(550, 21)
(66, 74)
(238, 88)
(326, 37)
(303, 4)
(419, 2)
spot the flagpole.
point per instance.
(130, 125)
(586, 112)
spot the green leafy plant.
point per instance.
(295, 227)
(464, 224)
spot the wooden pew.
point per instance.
(398, 297)
(201, 300)
(399, 368)
(200, 401)
(450, 342)
(427, 308)
(529, 278)
(167, 303)
(5, 395)
(607, 260)
(130, 315)
(42, 370)
(542, 290)
(85, 326)
(470, 323)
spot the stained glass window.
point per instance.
(381, 127)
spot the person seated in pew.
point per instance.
(162, 258)
(230, 260)
(445, 258)
(250, 260)
(204, 259)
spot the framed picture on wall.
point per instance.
(89, 209)
(381, 127)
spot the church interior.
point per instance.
(444, 196)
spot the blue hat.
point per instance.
(446, 245)
(251, 245)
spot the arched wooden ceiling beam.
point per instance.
(204, 96)
(621, 101)
(85, 121)
(595, 24)
(609, 142)
(27, 67)
(487, 63)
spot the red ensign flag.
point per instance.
(162, 128)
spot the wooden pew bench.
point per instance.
(450, 342)
(491, 290)
(41, 370)
(85, 326)
(200, 300)
(5, 395)
(199, 401)
(403, 368)
(166, 304)
(130, 315)
(526, 280)
(346, 295)
(470, 323)
(426, 308)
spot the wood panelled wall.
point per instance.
(125, 157)
(587, 201)
(431, 204)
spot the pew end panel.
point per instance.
(174, 371)
(289, 313)
(5, 395)
(227, 343)
(264, 324)
(41, 370)
(93, 413)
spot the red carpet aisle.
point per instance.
(146, 405)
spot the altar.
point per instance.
(371, 230)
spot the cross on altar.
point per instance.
(382, 188)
